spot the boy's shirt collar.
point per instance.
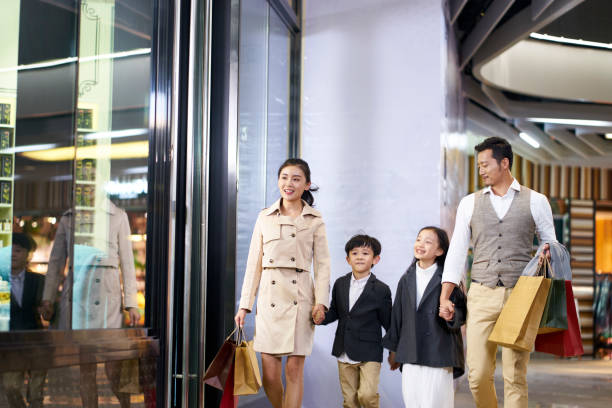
(362, 280)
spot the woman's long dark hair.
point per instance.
(307, 194)
(443, 243)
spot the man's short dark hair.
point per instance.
(362, 240)
(500, 148)
(25, 241)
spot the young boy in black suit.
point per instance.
(362, 305)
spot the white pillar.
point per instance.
(375, 119)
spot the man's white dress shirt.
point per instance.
(17, 286)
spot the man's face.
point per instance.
(19, 258)
(489, 169)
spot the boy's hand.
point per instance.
(393, 365)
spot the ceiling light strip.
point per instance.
(563, 40)
(69, 60)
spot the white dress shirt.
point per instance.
(356, 289)
(454, 267)
(17, 286)
(423, 276)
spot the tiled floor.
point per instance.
(556, 383)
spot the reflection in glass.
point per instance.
(73, 177)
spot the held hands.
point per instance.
(447, 309)
(318, 314)
(393, 365)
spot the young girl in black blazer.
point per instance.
(427, 349)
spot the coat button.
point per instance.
(273, 282)
(292, 259)
(272, 305)
(500, 235)
(292, 235)
(294, 281)
(295, 302)
(500, 221)
(271, 261)
(96, 303)
(499, 247)
(499, 261)
(97, 280)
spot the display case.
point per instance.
(7, 160)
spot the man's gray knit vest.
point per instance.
(502, 248)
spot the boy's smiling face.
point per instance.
(362, 259)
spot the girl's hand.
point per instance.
(391, 359)
(239, 318)
(447, 310)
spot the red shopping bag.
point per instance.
(229, 400)
(566, 343)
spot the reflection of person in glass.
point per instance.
(91, 296)
(26, 293)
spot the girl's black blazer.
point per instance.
(419, 335)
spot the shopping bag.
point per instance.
(554, 317)
(247, 379)
(567, 343)
(519, 320)
(228, 399)
(129, 377)
(217, 372)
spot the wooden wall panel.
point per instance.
(575, 183)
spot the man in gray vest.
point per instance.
(500, 221)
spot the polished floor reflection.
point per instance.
(62, 389)
(556, 383)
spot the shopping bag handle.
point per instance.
(232, 333)
(547, 267)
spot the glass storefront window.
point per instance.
(263, 121)
(79, 200)
(75, 85)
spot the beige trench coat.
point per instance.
(94, 299)
(282, 254)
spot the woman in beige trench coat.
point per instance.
(288, 239)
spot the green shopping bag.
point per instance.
(554, 317)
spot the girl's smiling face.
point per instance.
(427, 248)
(292, 183)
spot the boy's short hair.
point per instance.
(362, 240)
(24, 241)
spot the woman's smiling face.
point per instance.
(292, 183)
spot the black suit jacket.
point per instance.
(359, 329)
(419, 335)
(26, 316)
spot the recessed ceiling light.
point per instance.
(609, 136)
(532, 142)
